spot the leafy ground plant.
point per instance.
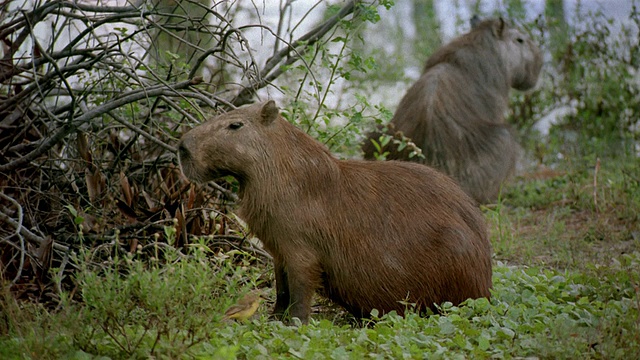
(175, 311)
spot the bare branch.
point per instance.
(33, 238)
(70, 127)
(103, 71)
(305, 41)
(143, 133)
(18, 233)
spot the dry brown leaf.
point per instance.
(83, 147)
(180, 227)
(148, 199)
(95, 184)
(126, 210)
(126, 189)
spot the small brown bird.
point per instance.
(245, 308)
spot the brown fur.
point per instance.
(366, 234)
(455, 111)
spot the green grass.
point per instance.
(566, 286)
(570, 218)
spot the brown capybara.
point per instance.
(366, 234)
(455, 111)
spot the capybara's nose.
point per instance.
(183, 152)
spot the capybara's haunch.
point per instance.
(455, 111)
(368, 235)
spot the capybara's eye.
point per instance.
(235, 125)
(520, 40)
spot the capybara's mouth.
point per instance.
(189, 167)
(184, 160)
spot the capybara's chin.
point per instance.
(193, 173)
(369, 235)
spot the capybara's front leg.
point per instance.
(282, 289)
(301, 293)
(303, 275)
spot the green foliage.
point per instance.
(576, 297)
(611, 180)
(598, 70)
(399, 141)
(134, 309)
(174, 311)
(379, 144)
(584, 214)
(325, 78)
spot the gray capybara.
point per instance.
(455, 111)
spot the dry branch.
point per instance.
(72, 126)
(298, 47)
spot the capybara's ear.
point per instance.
(269, 112)
(474, 21)
(498, 27)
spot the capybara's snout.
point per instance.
(187, 147)
(185, 157)
(183, 152)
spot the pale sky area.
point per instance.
(447, 10)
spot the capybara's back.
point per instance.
(404, 232)
(369, 235)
